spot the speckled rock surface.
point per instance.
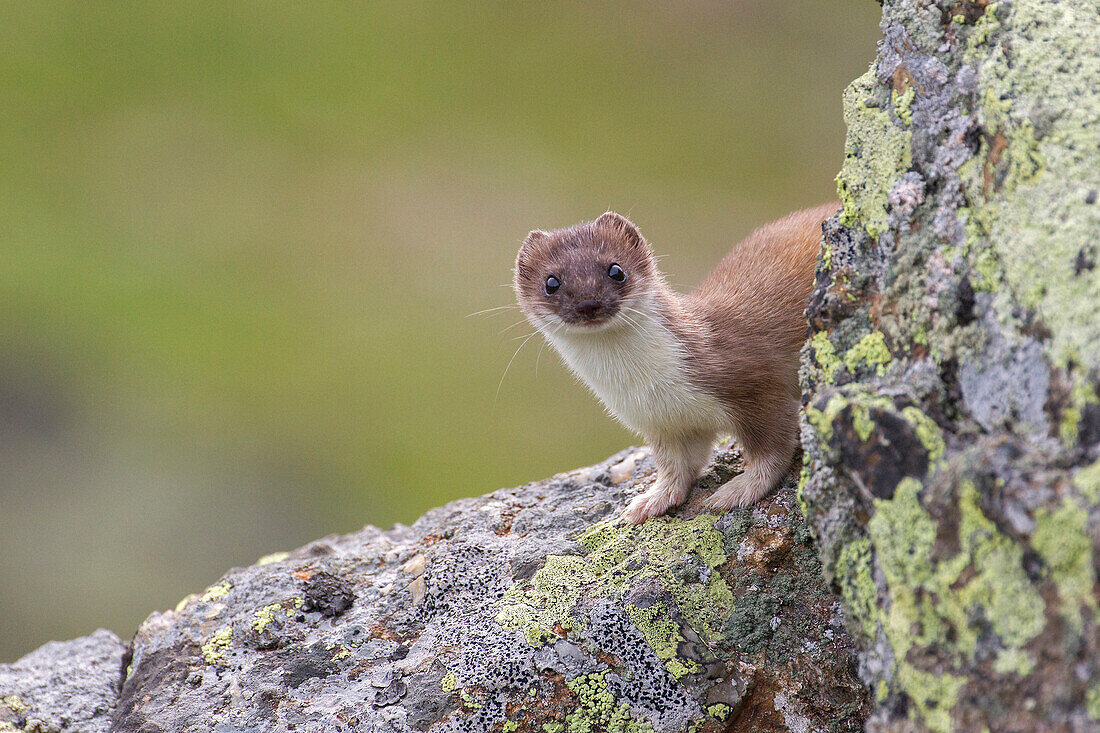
(952, 424)
(523, 610)
(528, 609)
(63, 686)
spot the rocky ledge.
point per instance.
(528, 609)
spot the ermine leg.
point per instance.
(763, 471)
(769, 435)
(679, 462)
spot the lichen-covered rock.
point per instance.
(528, 609)
(952, 423)
(63, 686)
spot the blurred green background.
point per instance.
(239, 244)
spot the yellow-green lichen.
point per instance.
(273, 558)
(803, 480)
(265, 615)
(1012, 605)
(1087, 481)
(1081, 396)
(597, 709)
(933, 602)
(935, 695)
(882, 691)
(902, 104)
(618, 556)
(449, 683)
(822, 420)
(825, 353)
(538, 637)
(927, 431)
(720, 711)
(657, 545)
(871, 349)
(213, 651)
(1092, 702)
(857, 585)
(1016, 661)
(861, 405)
(1062, 540)
(15, 703)
(510, 726)
(876, 153)
(663, 636)
(988, 267)
(216, 591)
(861, 421)
(554, 727)
(1040, 100)
(538, 605)
(469, 701)
(1068, 425)
(985, 27)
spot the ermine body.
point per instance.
(682, 369)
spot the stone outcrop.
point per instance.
(528, 609)
(63, 686)
(952, 425)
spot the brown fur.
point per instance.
(753, 306)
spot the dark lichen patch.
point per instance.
(327, 594)
(299, 665)
(967, 12)
(1085, 261)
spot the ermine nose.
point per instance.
(588, 308)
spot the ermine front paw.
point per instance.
(652, 503)
(740, 491)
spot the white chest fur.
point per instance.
(638, 371)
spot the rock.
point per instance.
(526, 609)
(951, 473)
(951, 485)
(64, 686)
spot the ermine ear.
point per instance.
(533, 239)
(535, 236)
(622, 225)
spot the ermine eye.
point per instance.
(616, 273)
(552, 285)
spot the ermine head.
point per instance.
(578, 279)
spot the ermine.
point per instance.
(682, 369)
